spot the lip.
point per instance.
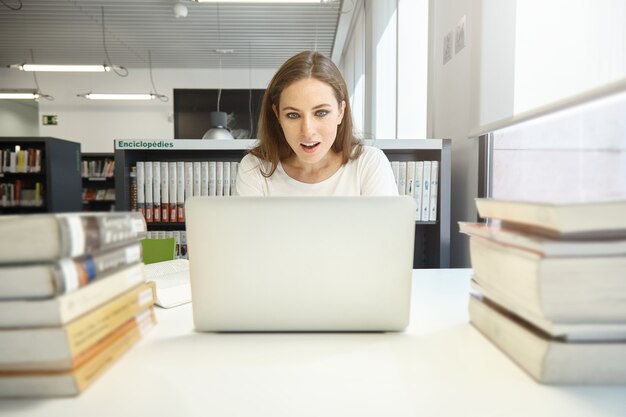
(308, 149)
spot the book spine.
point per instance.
(165, 193)
(60, 310)
(148, 191)
(234, 167)
(219, 178)
(196, 178)
(419, 183)
(204, 178)
(434, 190)
(141, 184)
(173, 191)
(212, 178)
(426, 191)
(84, 234)
(226, 179)
(410, 179)
(156, 191)
(79, 335)
(73, 273)
(180, 191)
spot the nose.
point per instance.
(307, 126)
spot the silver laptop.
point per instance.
(300, 263)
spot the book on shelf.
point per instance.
(65, 308)
(141, 186)
(603, 219)
(89, 365)
(173, 184)
(577, 289)
(420, 180)
(165, 192)
(549, 360)
(59, 347)
(50, 279)
(46, 237)
(149, 207)
(156, 191)
(180, 191)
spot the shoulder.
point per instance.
(250, 163)
(372, 155)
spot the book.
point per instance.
(566, 331)
(548, 360)
(165, 193)
(545, 246)
(141, 187)
(434, 190)
(172, 171)
(148, 188)
(47, 237)
(561, 289)
(426, 190)
(418, 184)
(173, 286)
(45, 280)
(180, 191)
(602, 219)
(89, 365)
(65, 308)
(57, 348)
(156, 191)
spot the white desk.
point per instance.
(440, 367)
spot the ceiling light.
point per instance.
(19, 96)
(64, 68)
(23, 94)
(118, 96)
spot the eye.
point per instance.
(292, 115)
(321, 113)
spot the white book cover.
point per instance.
(180, 191)
(219, 178)
(141, 184)
(196, 178)
(426, 191)
(188, 180)
(173, 186)
(183, 245)
(226, 179)
(156, 191)
(434, 190)
(410, 179)
(165, 192)
(401, 177)
(212, 178)
(395, 168)
(419, 182)
(148, 188)
(204, 178)
(234, 166)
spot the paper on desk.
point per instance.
(173, 287)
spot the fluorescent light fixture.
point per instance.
(118, 96)
(63, 68)
(19, 96)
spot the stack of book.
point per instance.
(73, 299)
(550, 287)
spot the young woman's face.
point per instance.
(309, 116)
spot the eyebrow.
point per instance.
(314, 108)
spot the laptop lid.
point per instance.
(300, 263)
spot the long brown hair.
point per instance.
(273, 146)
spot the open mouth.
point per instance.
(310, 147)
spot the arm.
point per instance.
(376, 174)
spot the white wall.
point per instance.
(18, 118)
(95, 124)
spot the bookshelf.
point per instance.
(38, 175)
(432, 238)
(98, 181)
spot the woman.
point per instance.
(306, 140)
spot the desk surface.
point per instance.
(440, 366)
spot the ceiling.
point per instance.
(70, 32)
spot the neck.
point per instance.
(312, 173)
